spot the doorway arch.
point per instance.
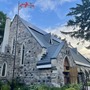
(66, 71)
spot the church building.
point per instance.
(37, 57)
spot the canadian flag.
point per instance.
(25, 5)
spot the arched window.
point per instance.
(66, 64)
(13, 46)
(4, 69)
(22, 54)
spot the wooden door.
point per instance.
(73, 74)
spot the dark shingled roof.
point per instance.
(53, 48)
(52, 52)
(79, 59)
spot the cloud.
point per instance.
(24, 13)
(82, 43)
(50, 4)
(63, 1)
(13, 12)
(46, 4)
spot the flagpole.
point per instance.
(18, 7)
(15, 56)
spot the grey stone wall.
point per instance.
(58, 63)
(45, 76)
(55, 76)
(8, 59)
(27, 71)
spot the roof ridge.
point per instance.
(22, 20)
(34, 27)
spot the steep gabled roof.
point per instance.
(38, 34)
(27, 24)
(52, 53)
(79, 59)
(44, 38)
(52, 49)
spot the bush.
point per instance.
(43, 87)
(55, 88)
(88, 83)
(5, 87)
(22, 86)
(65, 87)
(33, 87)
(1, 85)
(71, 89)
(76, 86)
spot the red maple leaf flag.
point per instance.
(25, 5)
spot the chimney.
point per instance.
(48, 38)
(6, 34)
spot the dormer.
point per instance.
(48, 38)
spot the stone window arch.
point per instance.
(4, 69)
(13, 45)
(22, 54)
(66, 64)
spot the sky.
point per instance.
(80, 44)
(45, 14)
(49, 15)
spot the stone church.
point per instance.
(39, 57)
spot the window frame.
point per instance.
(13, 46)
(22, 53)
(5, 69)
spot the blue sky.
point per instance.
(49, 15)
(46, 14)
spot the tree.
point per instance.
(2, 25)
(81, 18)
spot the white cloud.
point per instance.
(24, 13)
(13, 12)
(63, 1)
(81, 43)
(50, 4)
(46, 4)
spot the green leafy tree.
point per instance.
(2, 25)
(81, 18)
